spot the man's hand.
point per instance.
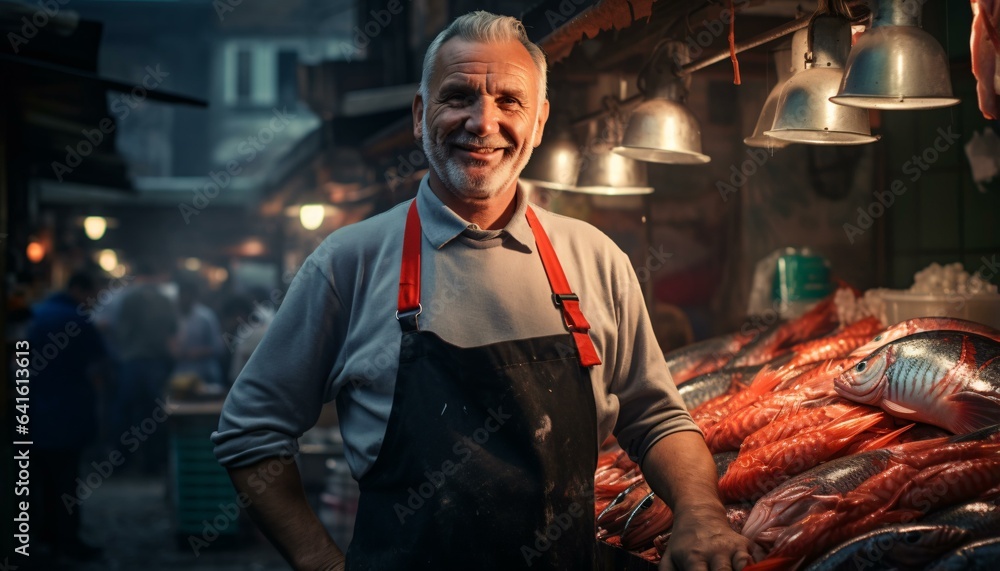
(680, 470)
(703, 541)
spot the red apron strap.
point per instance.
(408, 307)
(564, 298)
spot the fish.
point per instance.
(758, 471)
(611, 521)
(953, 482)
(730, 432)
(792, 500)
(837, 344)
(703, 388)
(906, 546)
(899, 494)
(683, 362)
(649, 519)
(923, 325)
(944, 378)
(792, 421)
(722, 462)
(980, 517)
(979, 555)
(775, 340)
(716, 409)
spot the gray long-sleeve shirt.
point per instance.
(335, 335)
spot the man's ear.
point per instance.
(543, 116)
(418, 116)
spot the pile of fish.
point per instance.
(838, 446)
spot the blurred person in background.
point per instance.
(144, 326)
(199, 343)
(70, 353)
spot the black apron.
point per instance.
(489, 455)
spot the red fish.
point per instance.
(758, 471)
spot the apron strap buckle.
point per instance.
(408, 318)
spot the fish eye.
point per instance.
(861, 367)
(878, 337)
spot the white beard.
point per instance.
(459, 182)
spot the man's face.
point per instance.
(482, 118)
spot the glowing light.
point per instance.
(119, 271)
(36, 252)
(108, 260)
(193, 264)
(95, 226)
(311, 215)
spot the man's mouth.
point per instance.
(480, 152)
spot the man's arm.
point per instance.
(679, 468)
(278, 505)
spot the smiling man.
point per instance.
(479, 349)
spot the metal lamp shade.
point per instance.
(663, 131)
(787, 62)
(555, 164)
(607, 173)
(895, 64)
(896, 67)
(805, 113)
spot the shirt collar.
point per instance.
(441, 224)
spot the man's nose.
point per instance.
(483, 118)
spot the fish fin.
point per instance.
(768, 378)
(974, 411)
(896, 408)
(885, 440)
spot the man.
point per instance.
(199, 344)
(479, 350)
(144, 324)
(64, 408)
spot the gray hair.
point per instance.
(484, 27)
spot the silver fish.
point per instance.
(900, 546)
(982, 555)
(944, 378)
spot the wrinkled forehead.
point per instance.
(508, 64)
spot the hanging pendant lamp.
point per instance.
(805, 113)
(606, 173)
(788, 61)
(555, 164)
(895, 64)
(662, 129)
